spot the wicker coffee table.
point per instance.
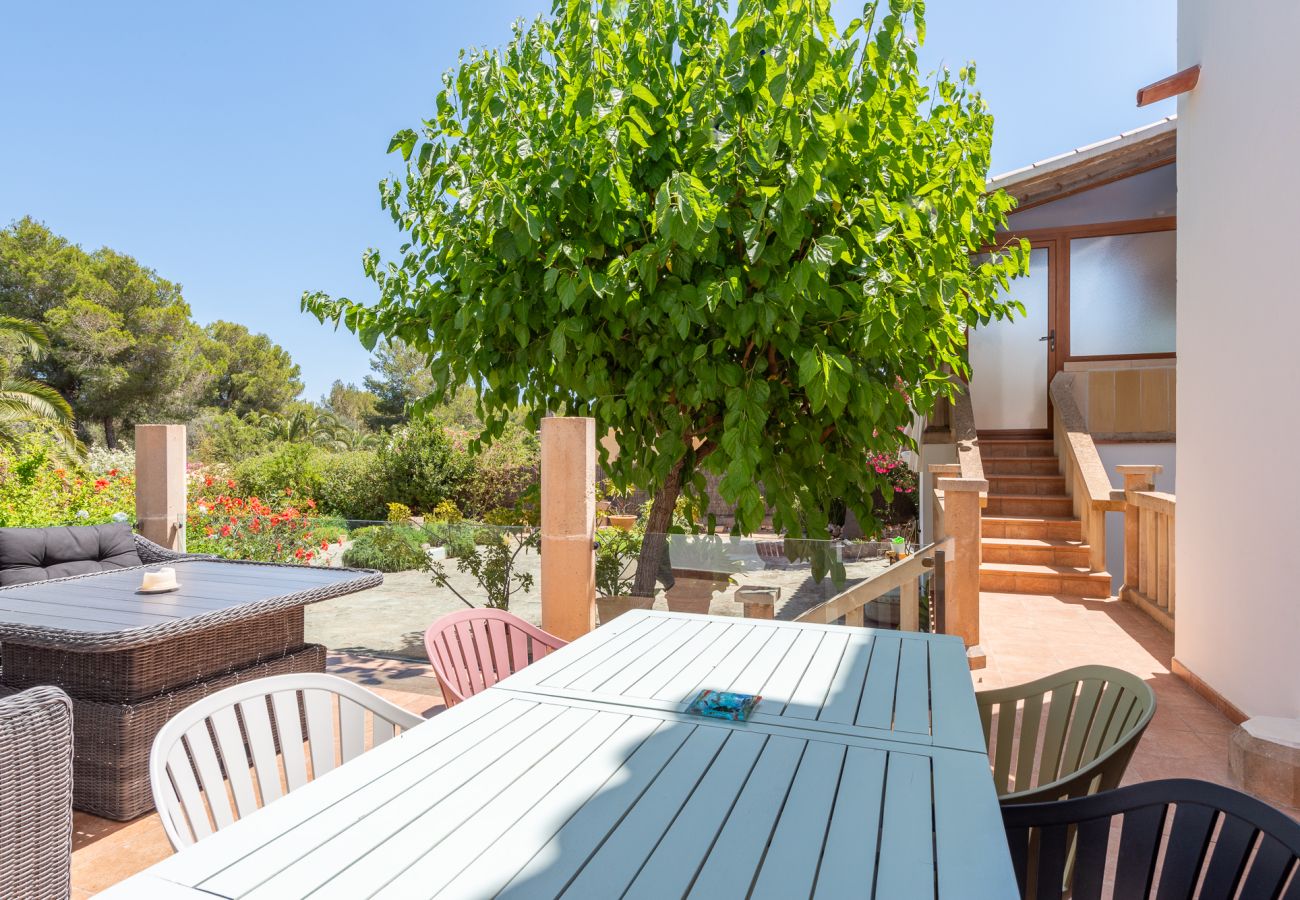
(130, 661)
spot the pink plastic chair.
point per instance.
(473, 649)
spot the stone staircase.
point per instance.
(1031, 542)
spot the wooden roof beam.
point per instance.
(1178, 83)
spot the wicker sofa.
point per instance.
(35, 794)
(41, 554)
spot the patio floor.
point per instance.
(1025, 637)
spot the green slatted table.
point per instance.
(581, 777)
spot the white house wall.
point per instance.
(1238, 531)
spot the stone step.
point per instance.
(1034, 551)
(1070, 581)
(1046, 528)
(1053, 485)
(1021, 465)
(1001, 448)
(1029, 505)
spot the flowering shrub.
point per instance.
(35, 492)
(900, 477)
(901, 507)
(236, 527)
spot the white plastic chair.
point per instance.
(230, 738)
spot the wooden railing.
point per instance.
(1086, 480)
(848, 606)
(967, 439)
(1148, 544)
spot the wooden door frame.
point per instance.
(1057, 241)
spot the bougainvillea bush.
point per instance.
(36, 491)
(280, 529)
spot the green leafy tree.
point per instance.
(352, 405)
(738, 235)
(401, 378)
(251, 373)
(122, 345)
(25, 402)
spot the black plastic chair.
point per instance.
(1217, 844)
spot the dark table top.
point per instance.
(103, 611)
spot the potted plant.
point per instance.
(616, 554)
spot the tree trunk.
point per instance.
(653, 564)
(110, 433)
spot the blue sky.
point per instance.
(236, 147)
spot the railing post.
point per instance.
(160, 484)
(937, 471)
(568, 582)
(961, 512)
(1136, 478)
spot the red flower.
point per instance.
(324, 545)
(298, 553)
(207, 481)
(100, 484)
(275, 520)
(112, 472)
(230, 483)
(311, 504)
(279, 547)
(225, 531)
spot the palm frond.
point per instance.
(30, 336)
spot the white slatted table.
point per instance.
(523, 794)
(893, 685)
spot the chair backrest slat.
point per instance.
(182, 808)
(1082, 718)
(1139, 843)
(1005, 740)
(1232, 847)
(202, 757)
(230, 747)
(473, 649)
(1104, 722)
(288, 728)
(1268, 870)
(1030, 720)
(318, 708)
(261, 742)
(352, 729)
(1058, 717)
(1191, 840)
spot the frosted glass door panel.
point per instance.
(1009, 361)
(1122, 294)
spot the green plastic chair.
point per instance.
(1095, 717)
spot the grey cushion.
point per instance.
(39, 554)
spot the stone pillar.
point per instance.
(1264, 758)
(759, 601)
(1136, 478)
(568, 520)
(160, 484)
(961, 505)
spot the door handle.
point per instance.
(1050, 337)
